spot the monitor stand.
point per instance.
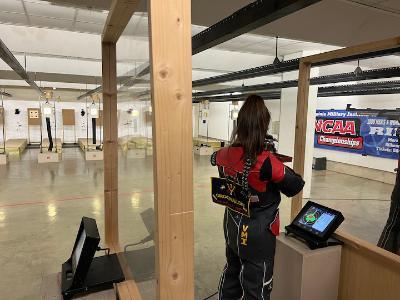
(104, 271)
(312, 242)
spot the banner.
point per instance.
(351, 131)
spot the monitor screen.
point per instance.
(316, 220)
(76, 255)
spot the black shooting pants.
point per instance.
(250, 251)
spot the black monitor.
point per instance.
(85, 273)
(86, 243)
(315, 224)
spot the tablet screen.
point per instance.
(315, 220)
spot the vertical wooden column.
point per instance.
(171, 82)
(301, 130)
(110, 123)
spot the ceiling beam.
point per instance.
(118, 18)
(9, 59)
(248, 18)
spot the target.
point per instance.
(311, 217)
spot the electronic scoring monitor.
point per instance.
(315, 223)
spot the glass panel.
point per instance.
(136, 196)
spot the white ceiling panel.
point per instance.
(50, 22)
(13, 18)
(12, 6)
(91, 16)
(48, 10)
(386, 5)
(89, 27)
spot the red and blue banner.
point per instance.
(351, 131)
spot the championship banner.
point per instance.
(351, 131)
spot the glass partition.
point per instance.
(135, 121)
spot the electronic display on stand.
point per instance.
(83, 273)
(315, 224)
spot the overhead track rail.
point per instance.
(371, 88)
(285, 66)
(337, 78)
(361, 92)
(5, 94)
(241, 97)
(244, 20)
(14, 64)
(271, 69)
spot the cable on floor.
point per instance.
(209, 297)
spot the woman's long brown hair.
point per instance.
(252, 126)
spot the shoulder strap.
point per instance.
(245, 175)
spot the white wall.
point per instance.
(369, 101)
(17, 125)
(220, 125)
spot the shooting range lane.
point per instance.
(55, 197)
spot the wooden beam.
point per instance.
(354, 50)
(119, 16)
(301, 131)
(171, 82)
(110, 123)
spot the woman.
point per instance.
(250, 241)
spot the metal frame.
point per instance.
(14, 64)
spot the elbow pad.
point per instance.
(291, 184)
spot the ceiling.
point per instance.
(331, 22)
(321, 27)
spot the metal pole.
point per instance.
(4, 122)
(41, 120)
(55, 124)
(87, 126)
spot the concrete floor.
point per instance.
(41, 207)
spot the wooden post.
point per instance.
(301, 131)
(171, 80)
(110, 149)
